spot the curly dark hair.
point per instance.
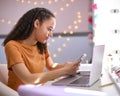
(25, 25)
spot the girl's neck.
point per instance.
(30, 41)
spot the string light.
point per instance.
(9, 22)
(76, 27)
(59, 36)
(78, 12)
(59, 49)
(48, 44)
(71, 32)
(28, 1)
(61, 9)
(67, 5)
(55, 55)
(2, 20)
(22, 1)
(42, 3)
(72, 0)
(63, 45)
(79, 16)
(35, 3)
(49, 2)
(53, 40)
(75, 22)
(79, 21)
(55, 13)
(68, 39)
(65, 32)
(70, 28)
(55, 0)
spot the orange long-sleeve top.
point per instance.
(17, 52)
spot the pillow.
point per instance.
(6, 91)
(3, 73)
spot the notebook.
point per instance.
(115, 80)
(85, 78)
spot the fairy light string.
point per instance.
(68, 30)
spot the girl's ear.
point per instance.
(36, 23)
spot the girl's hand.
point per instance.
(71, 67)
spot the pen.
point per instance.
(107, 84)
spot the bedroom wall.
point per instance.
(72, 25)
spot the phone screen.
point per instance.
(82, 57)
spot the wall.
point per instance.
(72, 50)
(2, 53)
(69, 13)
(107, 29)
(72, 44)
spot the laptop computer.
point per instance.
(85, 78)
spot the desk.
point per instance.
(105, 79)
(49, 90)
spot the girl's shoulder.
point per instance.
(12, 43)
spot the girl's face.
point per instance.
(45, 30)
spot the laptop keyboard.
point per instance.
(82, 80)
(83, 73)
(67, 80)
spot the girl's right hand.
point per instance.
(71, 68)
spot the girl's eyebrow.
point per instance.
(51, 27)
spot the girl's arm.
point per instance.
(36, 78)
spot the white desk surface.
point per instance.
(111, 89)
(49, 90)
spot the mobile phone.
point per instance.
(82, 57)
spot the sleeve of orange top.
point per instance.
(13, 55)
